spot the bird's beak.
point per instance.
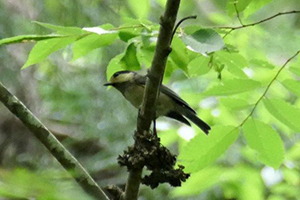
(108, 84)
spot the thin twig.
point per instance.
(180, 22)
(268, 87)
(232, 28)
(63, 156)
(227, 33)
(259, 22)
(237, 13)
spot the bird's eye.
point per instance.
(116, 74)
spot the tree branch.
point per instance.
(156, 72)
(155, 76)
(51, 143)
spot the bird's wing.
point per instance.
(141, 80)
(175, 97)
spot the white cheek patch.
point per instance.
(123, 78)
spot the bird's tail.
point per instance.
(200, 123)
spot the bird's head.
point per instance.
(121, 77)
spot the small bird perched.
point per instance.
(169, 104)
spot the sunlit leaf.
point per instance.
(199, 182)
(262, 138)
(91, 42)
(126, 35)
(44, 48)
(204, 41)
(140, 8)
(234, 62)
(114, 65)
(232, 86)
(27, 38)
(291, 176)
(251, 185)
(293, 154)
(261, 63)
(254, 6)
(146, 37)
(168, 137)
(292, 85)
(204, 150)
(284, 112)
(295, 70)
(240, 5)
(234, 103)
(100, 30)
(242, 182)
(130, 60)
(179, 54)
(286, 190)
(190, 29)
(198, 66)
(62, 29)
(146, 54)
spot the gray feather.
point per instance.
(170, 93)
(196, 120)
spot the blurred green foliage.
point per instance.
(253, 150)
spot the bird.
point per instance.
(131, 84)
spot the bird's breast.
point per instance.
(134, 94)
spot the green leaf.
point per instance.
(232, 86)
(199, 182)
(190, 29)
(168, 137)
(284, 112)
(250, 184)
(140, 8)
(234, 62)
(204, 41)
(44, 48)
(130, 60)
(254, 6)
(204, 150)
(91, 42)
(240, 4)
(114, 65)
(62, 29)
(292, 85)
(295, 70)
(126, 35)
(27, 38)
(146, 37)
(234, 103)
(198, 66)
(146, 54)
(286, 190)
(294, 153)
(261, 63)
(262, 138)
(179, 54)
